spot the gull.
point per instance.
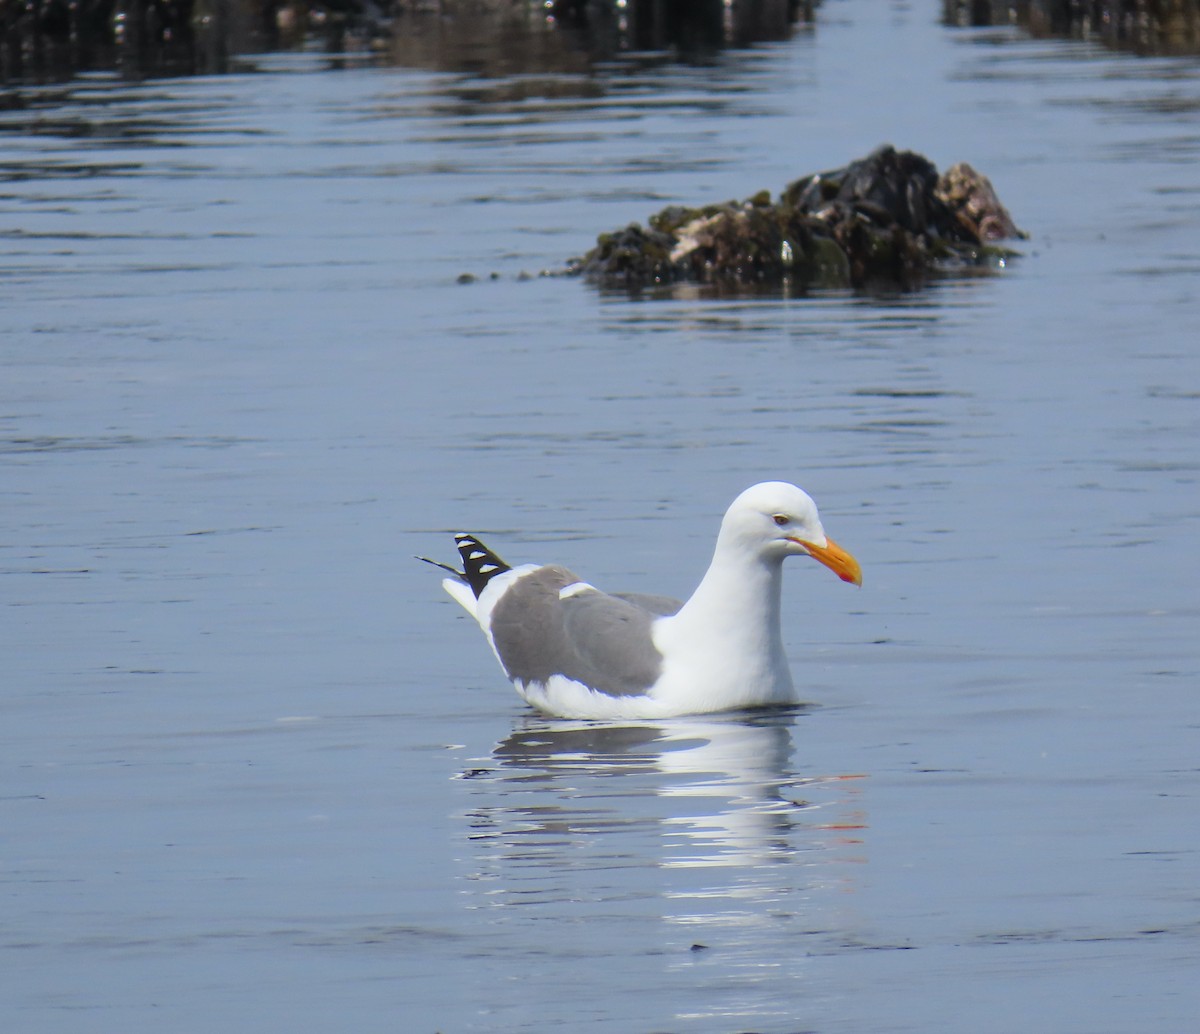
(576, 652)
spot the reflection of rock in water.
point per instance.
(54, 39)
(49, 40)
(712, 806)
(694, 27)
(497, 40)
(1147, 28)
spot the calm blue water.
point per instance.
(260, 774)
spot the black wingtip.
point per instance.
(480, 564)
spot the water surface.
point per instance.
(259, 773)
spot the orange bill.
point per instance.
(836, 559)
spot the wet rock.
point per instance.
(888, 218)
(973, 200)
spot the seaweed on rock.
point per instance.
(888, 218)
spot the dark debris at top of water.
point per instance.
(1146, 28)
(54, 40)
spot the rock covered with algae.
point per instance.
(887, 219)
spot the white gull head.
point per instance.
(724, 649)
(773, 520)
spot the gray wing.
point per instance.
(663, 606)
(600, 640)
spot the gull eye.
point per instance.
(781, 519)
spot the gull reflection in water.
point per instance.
(705, 820)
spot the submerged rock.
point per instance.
(886, 219)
